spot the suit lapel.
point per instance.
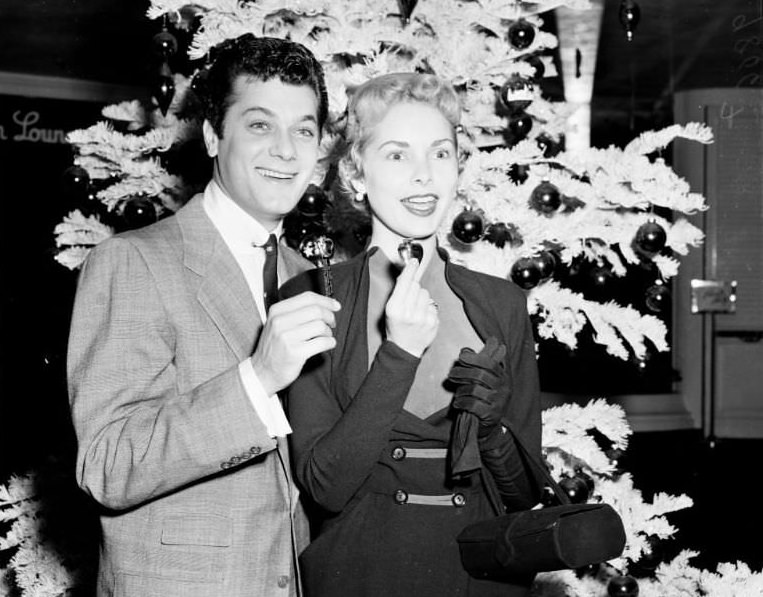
(222, 291)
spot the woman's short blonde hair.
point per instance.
(370, 102)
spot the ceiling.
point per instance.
(678, 44)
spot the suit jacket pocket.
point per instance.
(138, 585)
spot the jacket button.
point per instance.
(283, 582)
(401, 497)
(459, 501)
(398, 453)
(225, 465)
(255, 450)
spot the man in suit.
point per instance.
(175, 362)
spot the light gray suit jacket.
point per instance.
(198, 498)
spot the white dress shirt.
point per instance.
(241, 232)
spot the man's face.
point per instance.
(269, 147)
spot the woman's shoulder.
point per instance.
(491, 287)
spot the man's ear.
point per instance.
(210, 138)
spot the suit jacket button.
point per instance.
(255, 450)
(235, 460)
(225, 465)
(283, 582)
(398, 453)
(401, 497)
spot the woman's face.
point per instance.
(410, 171)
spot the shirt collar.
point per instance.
(239, 229)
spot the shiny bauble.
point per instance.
(517, 93)
(651, 237)
(76, 182)
(576, 489)
(601, 275)
(525, 273)
(548, 497)
(297, 227)
(547, 262)
(520, 127)
(537, 63)
(163, 92)
(581, 474)
(313, 203)
(622, 586)
(165, 45)
(657, 298)
(545, 198)
(199, 82)
(630, 15)
(549, 146)
(138, 212)
(521, 34)
(468, 226)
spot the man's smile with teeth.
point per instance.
(275, 174)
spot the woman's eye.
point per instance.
(395, 156)
(442, 154)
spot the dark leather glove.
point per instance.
(483, 388)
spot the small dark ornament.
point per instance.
(545, 198)
(199, 82)
(576, 489)
(547, 262)
(313, 203)
(649, 561)
(520, 127)
(651, 237)
(138, 212)
(630, 15)
(657, 298)
(525, 273)
(468, 226)
(499, 234)
(76, 182)
(537, 63)
(296, 228)
(406, 9)
(589, 482)
(549, 146)
(164, 91)
(518, 173)
(601, 275)
(622, 586)
(165, 45)
(521, 34)
(517, 93)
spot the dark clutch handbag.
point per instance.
(559, 537)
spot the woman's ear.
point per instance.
(211, 139)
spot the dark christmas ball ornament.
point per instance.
(537, 63)
(520, 127)
(499, 234)
(525, 273)
(548, 497)
(518, 173)
(651, 237)
(165, 44)
(549, 146)
(576, 489)
(139, 212)
(164, 91)
(546, 264)
(545, 198)
(468, 226)
(601, 275)
(199, 82)
(76, 181)
(521, 34)
(630, 15)
(581, 474)
(517, 93)
(657, 298)
(297, 227)
(622, 586)
(313, 203)
(651, 559)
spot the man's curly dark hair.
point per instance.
(262, 58)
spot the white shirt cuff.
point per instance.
(268, 408)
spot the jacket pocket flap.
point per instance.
(197, 529)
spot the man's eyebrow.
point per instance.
(269, 112)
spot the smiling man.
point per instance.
(176, 357)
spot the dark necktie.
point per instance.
(270, 272)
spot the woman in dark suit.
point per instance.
(376, 445)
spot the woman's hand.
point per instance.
(411, 314)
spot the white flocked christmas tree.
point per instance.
(527, 209)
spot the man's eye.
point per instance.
(259, 125)
(307, 132)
